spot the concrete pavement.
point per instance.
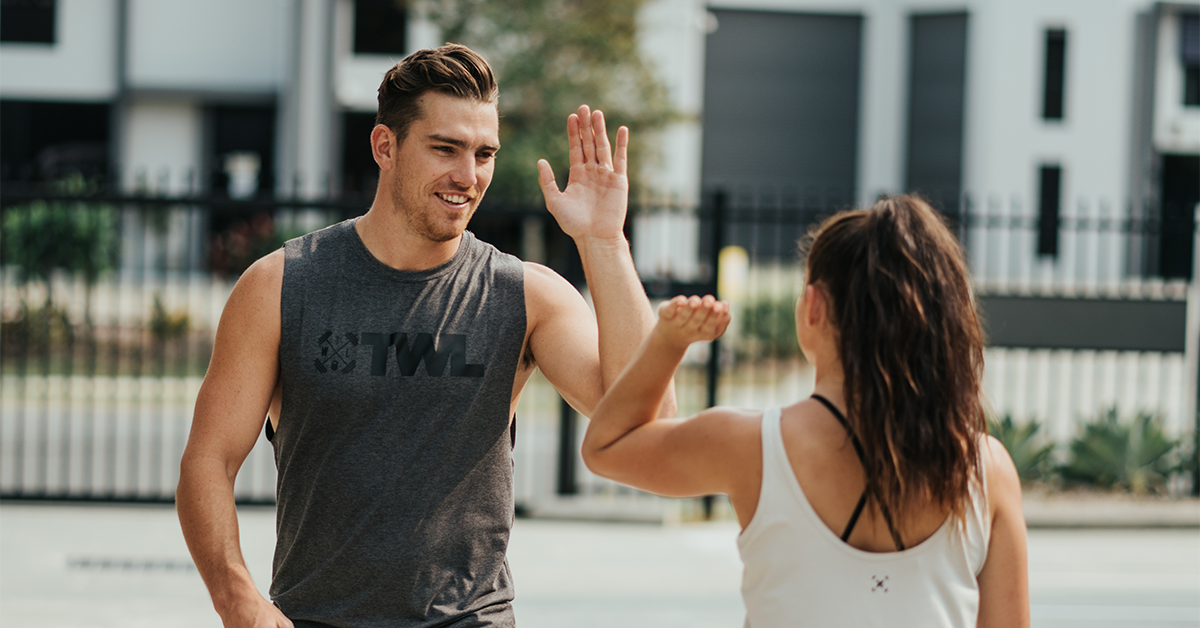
(101, 566)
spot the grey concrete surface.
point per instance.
(1108, 510)
(102, 566)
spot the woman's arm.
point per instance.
(1004, 581)
(626, 442)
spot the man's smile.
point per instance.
(453, 199)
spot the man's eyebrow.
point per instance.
(448, 140)
(457, 142)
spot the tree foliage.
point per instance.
(550, 56)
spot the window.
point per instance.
(27, 21)
(50, 141)
(1189, 53)
(241, 157)
(1178, 194)
(936, 100)
(1056, 56)
(380, 26)
(360, 173)
(1049, 187)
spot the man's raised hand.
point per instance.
(684, 320)
(597, 193)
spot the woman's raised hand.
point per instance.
(684, 320)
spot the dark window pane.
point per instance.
(1180, 192)
(1189, 38)
(936, 89)
(1056, 56)
(28, 21)
(1191, 86)
(1049, 186)
(238, 134)
(360, 173)
(379, 26)
(48, 141)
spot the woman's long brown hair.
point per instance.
(911, 349)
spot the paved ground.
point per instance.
(126, 566)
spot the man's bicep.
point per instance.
(242, 375)
(564, 340)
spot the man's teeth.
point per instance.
(457, 199)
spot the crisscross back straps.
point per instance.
(862, 501)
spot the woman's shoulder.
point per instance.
(1001, 481)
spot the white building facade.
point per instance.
(842, 100)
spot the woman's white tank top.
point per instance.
(797, 572)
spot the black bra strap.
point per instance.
(862, 501)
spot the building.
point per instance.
(1044, 109)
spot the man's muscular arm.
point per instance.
(592, 211)
(232, 403)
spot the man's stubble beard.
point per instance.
(421, 224)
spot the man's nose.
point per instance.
(463, 173)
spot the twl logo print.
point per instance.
(335, 353)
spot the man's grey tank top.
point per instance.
(395, 495)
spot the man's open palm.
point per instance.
(594, 203)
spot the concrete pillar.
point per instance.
(307, 114)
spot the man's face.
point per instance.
(444, 164)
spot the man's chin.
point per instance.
(445, 233)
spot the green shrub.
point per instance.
(769, 326)
(1029, 452)
(166, 325)
(34, 329)
(1135, 456)
(75, 236)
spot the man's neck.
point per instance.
(390, 239)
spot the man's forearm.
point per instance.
(623, 312)
(208, 517)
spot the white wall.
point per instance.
(1005, 137)
(80, 65)
(216, 45)
(161, 144)
(673, 43)
(357, 76)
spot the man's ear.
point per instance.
(383, 146)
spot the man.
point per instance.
(388, 354)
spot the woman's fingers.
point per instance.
(695, 317)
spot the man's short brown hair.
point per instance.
(452, 69)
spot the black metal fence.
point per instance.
(109, 305)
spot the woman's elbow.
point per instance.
(597, 461)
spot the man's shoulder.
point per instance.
(264, 274)
(547, 292)
(316, 242)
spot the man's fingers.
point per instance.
(586, 137)
(621, 158)
(575, 148)
(603, 150)
(546, 180)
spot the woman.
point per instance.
(878, 501)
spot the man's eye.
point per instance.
(444, 149)
(486, 156)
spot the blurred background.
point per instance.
(150, 150)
